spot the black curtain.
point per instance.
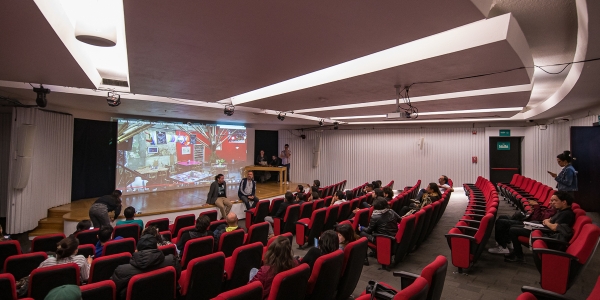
(94, 158)
(266, 140)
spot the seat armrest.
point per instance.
(462, 236)
(471, 221)
(467, 230)
(542, 293)
(406, 278)
(549, 240)
(385, 236)
(554, 252)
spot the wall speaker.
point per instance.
(21, 172)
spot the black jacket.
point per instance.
(190, 235)
(142, 262)
(275, 162)
(385, 223)
(112, 204)
(213, 192)
(282, 209)
(260, 159)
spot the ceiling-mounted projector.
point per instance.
(402, 114)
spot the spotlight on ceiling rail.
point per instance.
(281, 116)
(321, 122)
(113, 99)
(229, 109)
(335, 125)
(40, 99)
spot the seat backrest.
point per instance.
(416, 291)
(8, 289)
(328, 200)
(118, 246)
(325, 276)
(195, 248)
(290, 284)
(22, 265)
(578, 226)
(99, 291)
(344, 211)
(306, 210)
(86, 250)
(46, 243)
(292, 213)
(8, 248)
(435, 274)
(43, 280)
(586, 244)
(212, 214)
(184, 230)
(88, 236)
(319, 203)
(183, 221)
(229, 241)
(127, 231)
(354, 257)
(250, 291)
(288, 235)
(258, 232)
(331, 217)
(275, 203)
(169, 249)
(205, 277)
(213, 225)
(161, 224)
(244, 258)
(261, 210)
(157, 284)
(579, 212)
(103, 267)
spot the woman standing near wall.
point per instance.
(566, 180)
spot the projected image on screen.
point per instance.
(155, 156)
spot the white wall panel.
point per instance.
(5, 121)
(551, 142)
(386, 154)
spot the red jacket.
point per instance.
(266, 278)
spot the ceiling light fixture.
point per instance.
(40, 99)
(229, 109)
(96, 25)
(281, 116)
(113, 99)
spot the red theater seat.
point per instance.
(157, 284)
(103, 290)
(290, 284)
(203, 277)
(251, 291)
(43, 280)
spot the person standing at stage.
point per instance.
(285, 156)
(247, 190)
(99, 210)
(217, 195)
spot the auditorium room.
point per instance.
(291, 150)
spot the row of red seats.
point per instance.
(469, 236)
(532, 293)
(331, 189)
(522, 189)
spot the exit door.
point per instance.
(505, 158)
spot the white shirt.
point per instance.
(285, 160)
(80, 260)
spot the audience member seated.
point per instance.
(129, 213)
(232, 224)
(300, 198)
(277, 259)
(299, 190)
(81, 226)
(367, 190)
(443, 184)
(349, 195)
(338, 198)
(309, 188)
(328, 242)
(147, 258)
(383, 221)
(377, 194)
(560, 225)
(247, 191)
(202, 224)
(314, 193)
(66, 252)
(388, 193)
(503, 223)
(104, 236)
(152, 230)
(64, 292)
(289, 200)
(425, 197)
(346, 235)
(376, 184)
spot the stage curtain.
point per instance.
(50, 177)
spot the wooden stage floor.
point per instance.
(163, 202)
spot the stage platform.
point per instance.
(168, 204)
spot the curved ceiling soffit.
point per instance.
(575, 70)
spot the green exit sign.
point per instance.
(503, 146)
(504, 132)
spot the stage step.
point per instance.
(54, 223)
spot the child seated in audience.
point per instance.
(328, 242)
(232, 224)
(83, 225)
(104, 236)
(66, 252)
(346, 235)
(279, 258)
(201, 230)
(129, 213)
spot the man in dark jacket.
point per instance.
(383, 221)
(247, 191)
(289, 200)
(217, 195)
(201, 230)
(147, 258)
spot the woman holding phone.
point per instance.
(566, 180)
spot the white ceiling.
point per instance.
(195, 53)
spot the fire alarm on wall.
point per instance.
(474, 159)
(474, 131)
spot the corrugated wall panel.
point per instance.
(551, 142)
(386, 154)
(5, 131)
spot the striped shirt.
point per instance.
(80, 260)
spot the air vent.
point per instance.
(114, 82)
